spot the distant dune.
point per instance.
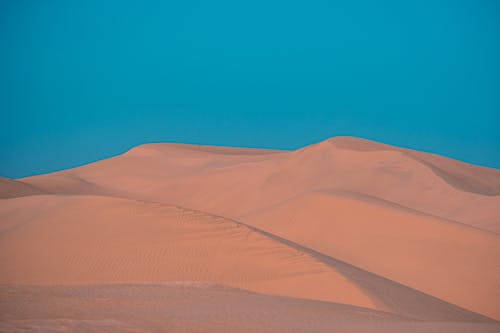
(347, 234)
(205, 177)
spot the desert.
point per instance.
(344, 235)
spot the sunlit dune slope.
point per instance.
(54, 240)
(346, 220)
(233, 182)
(86, 239)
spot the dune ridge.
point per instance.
(401, 244)
(147, 242)
(196, 177)
(366, 232)
(463, 176)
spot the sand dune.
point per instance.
(347, 234)
(109, 240)
(452, 261)
(10, 188)
(85, 239)
(464, 176)
(205, 177)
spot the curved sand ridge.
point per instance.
(452, 261)
(91, 240)
(345, 221)
(108, 240)
(463, 176)
(206, 178)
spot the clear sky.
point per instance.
(85, 80)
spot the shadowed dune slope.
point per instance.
(10, 188)
(232, 182)
(451, 261)
(193, 307)
(464, 176)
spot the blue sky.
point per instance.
(85, 80)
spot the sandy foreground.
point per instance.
(347, 235)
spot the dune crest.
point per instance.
(400, 244)
(205, 178)
(147, 242)
(144, 242)
(348, 228)
(463, 176)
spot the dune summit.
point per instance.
(345, 235)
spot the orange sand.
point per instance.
(347, 234)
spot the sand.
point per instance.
(346, 235)
(417, 250)
(10, 188)
(205, 177)
(193, 307)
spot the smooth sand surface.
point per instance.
(427, 253)
(94, 240)
(346, 235)
(206, 177)
(193, 307)
(89, 239)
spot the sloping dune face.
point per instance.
(89, 240)
(92, 240)
(427, 253)
(10, 188)
(233, 182)
(348, 227)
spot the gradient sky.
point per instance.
(85, 80)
